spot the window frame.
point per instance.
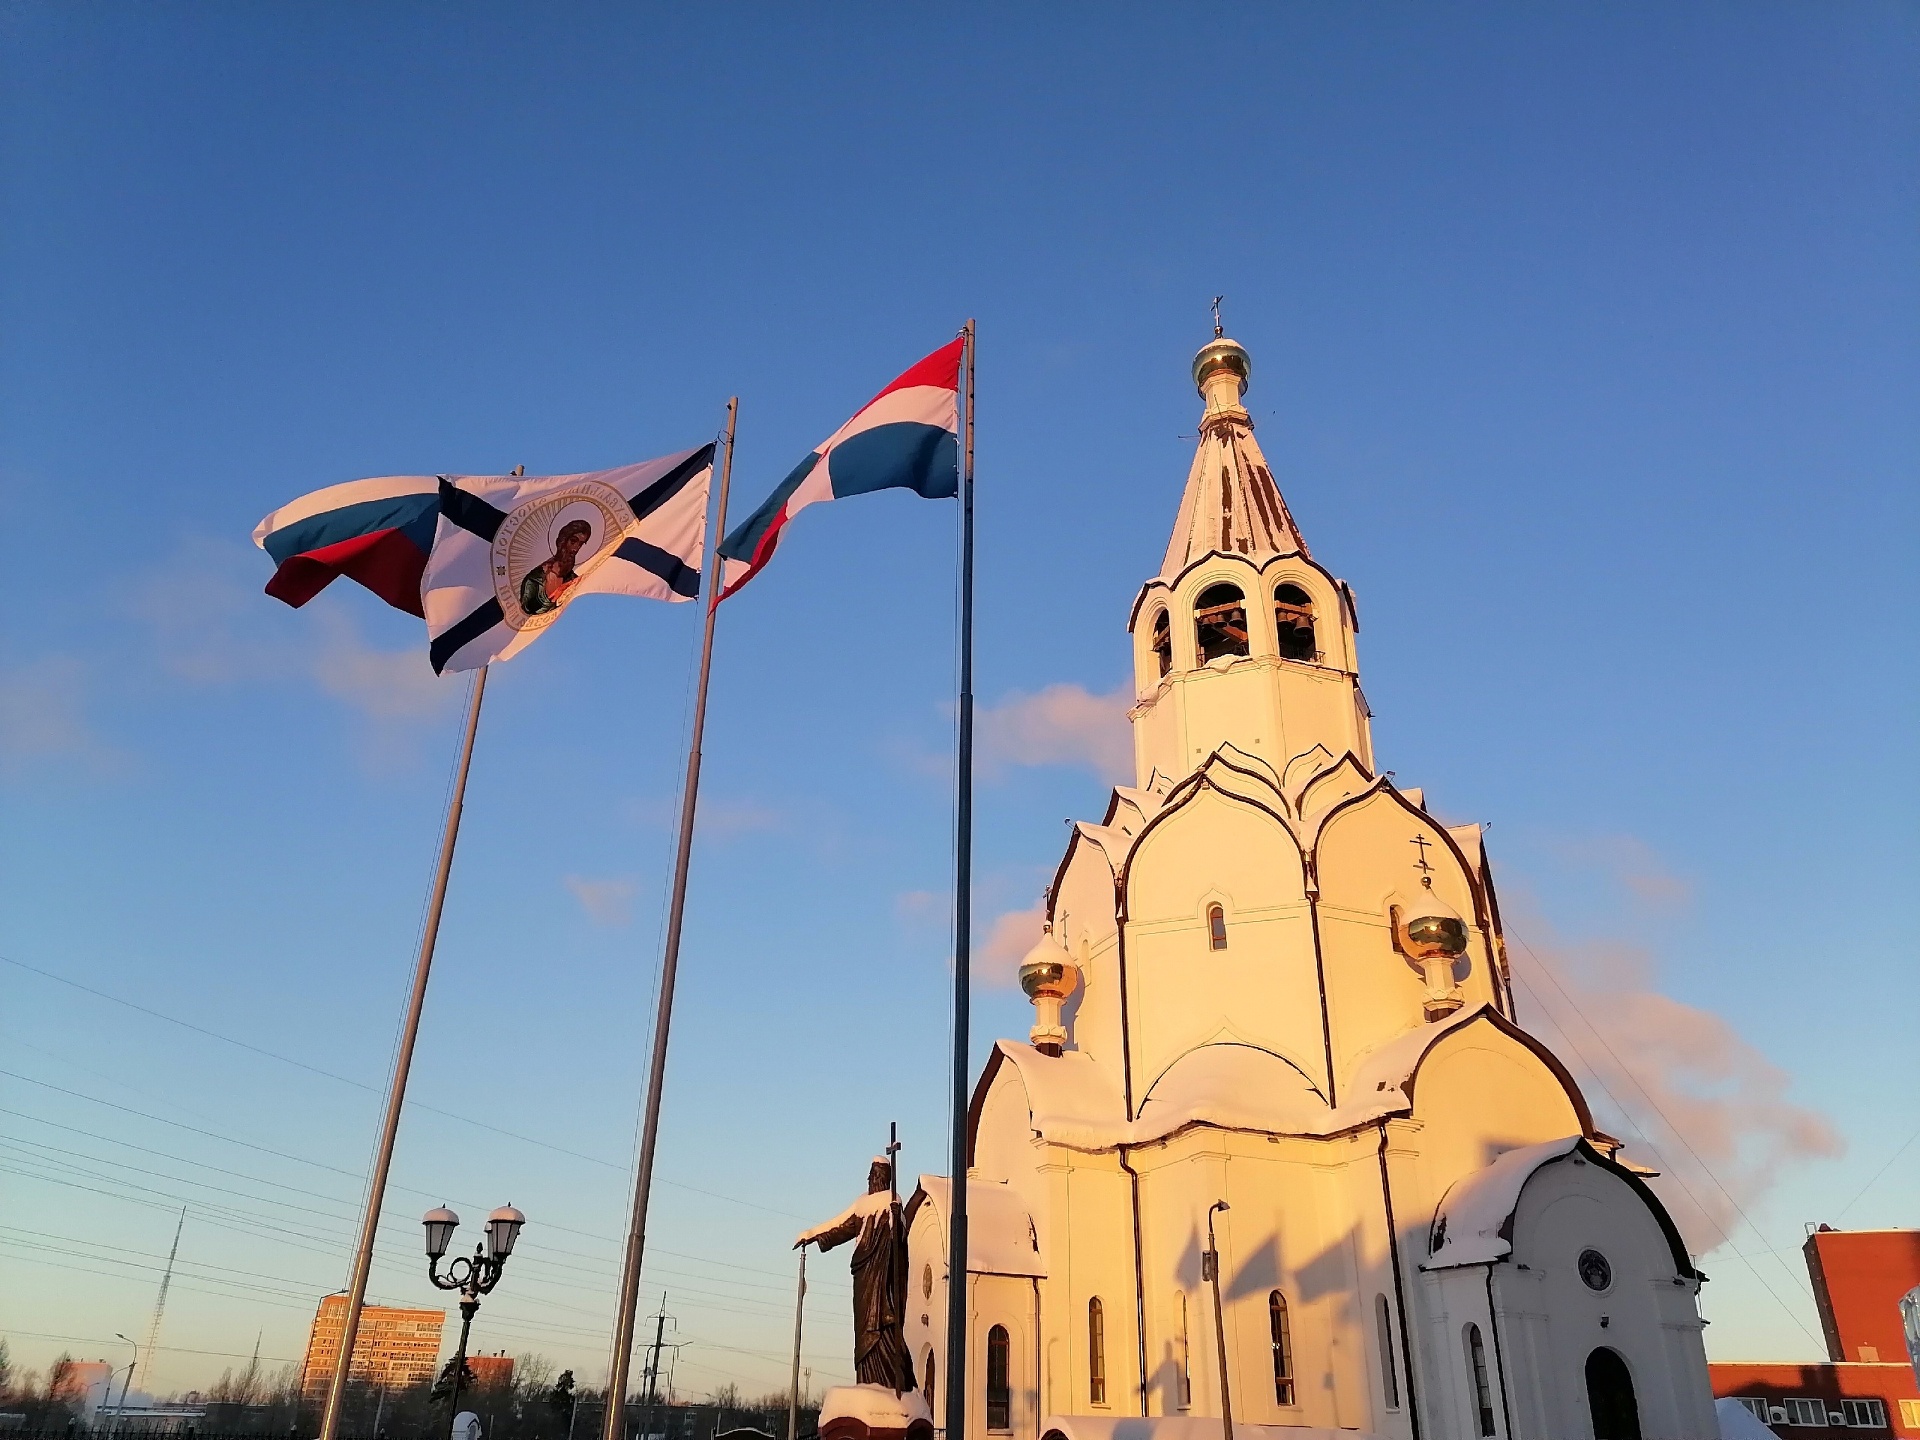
(1875, 1411)
(1096, 1352)
(1389, 1372)
(1797, 1407)
(1216, 926)
(1280, 1340)
(1183, 1378)
(999, 1388)
(1160, 641)
(1476, 1347)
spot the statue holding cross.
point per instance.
(879, 1267)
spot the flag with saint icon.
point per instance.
(512, 551)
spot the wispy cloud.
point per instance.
(922, 907)
(608, 901)
(210, 626)
(1064, 724)
(1674, 1078)
(997, 958)
(1632, 863)
(43, 719)
(719, 818)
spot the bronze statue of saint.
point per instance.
(879, 1268)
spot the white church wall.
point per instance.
(1366, 860)
(1643, 1315)
(1083, 909)
(1261, 988)
(1478, 1093)
(1091, 1258)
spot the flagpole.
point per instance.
(397, 1090)
(956, 1407)
(616, 1406)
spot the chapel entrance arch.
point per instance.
(1616, 1415)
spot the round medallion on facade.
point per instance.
(1595, 1271)
(544, 549)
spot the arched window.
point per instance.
(1389, 1373)
(1482, 1389)
(1220, 622)
(1163, 642)
(1282, 1333)
(932, 1400)
(1096, 1352)
(1610, 1402)
(1216, 927)
(1293, 618)
(1185, 1378)
(999, 1392)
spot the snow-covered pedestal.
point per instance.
(873, 1412)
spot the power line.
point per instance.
(164, 1349)
(363, 1085)
(1877, 1174)
(1671, 1127)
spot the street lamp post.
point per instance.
(472, 1275)
(125, 1385)
(1210, 1269)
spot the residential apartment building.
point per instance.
(395, 1348)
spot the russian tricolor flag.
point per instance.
(378, 532)
(905, 438)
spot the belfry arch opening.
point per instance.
(1293, 619)
(1163, 643)
(1220, 622)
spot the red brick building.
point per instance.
(1866, 1382)
(491, 1372)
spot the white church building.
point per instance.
(1275, 1021)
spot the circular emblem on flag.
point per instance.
(547, 547)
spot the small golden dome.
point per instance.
(1048, 972)
(1435, 937)
(1222, 354)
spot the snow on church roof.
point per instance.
(1076, 1101)
(1001, 1236)
(1475, 1221)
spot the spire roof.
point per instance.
(1231, 503)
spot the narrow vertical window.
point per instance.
(999, 1393)
(1293, 620)
(932, 1399)
(1216, 927)
(1220, 622)
(1163, 642)
(1482, 1389)
(1096, 1352)
(1186, 1357)
(1282, 1333)
(1389, 1374)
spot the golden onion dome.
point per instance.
(1048, 972)
(1222, 354)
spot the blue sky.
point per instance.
(1585, 348)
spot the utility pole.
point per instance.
(653, 1361)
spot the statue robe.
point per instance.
(879, 1269)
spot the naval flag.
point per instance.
(512, 551)
(904, 438)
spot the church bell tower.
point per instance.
(1242, 638)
